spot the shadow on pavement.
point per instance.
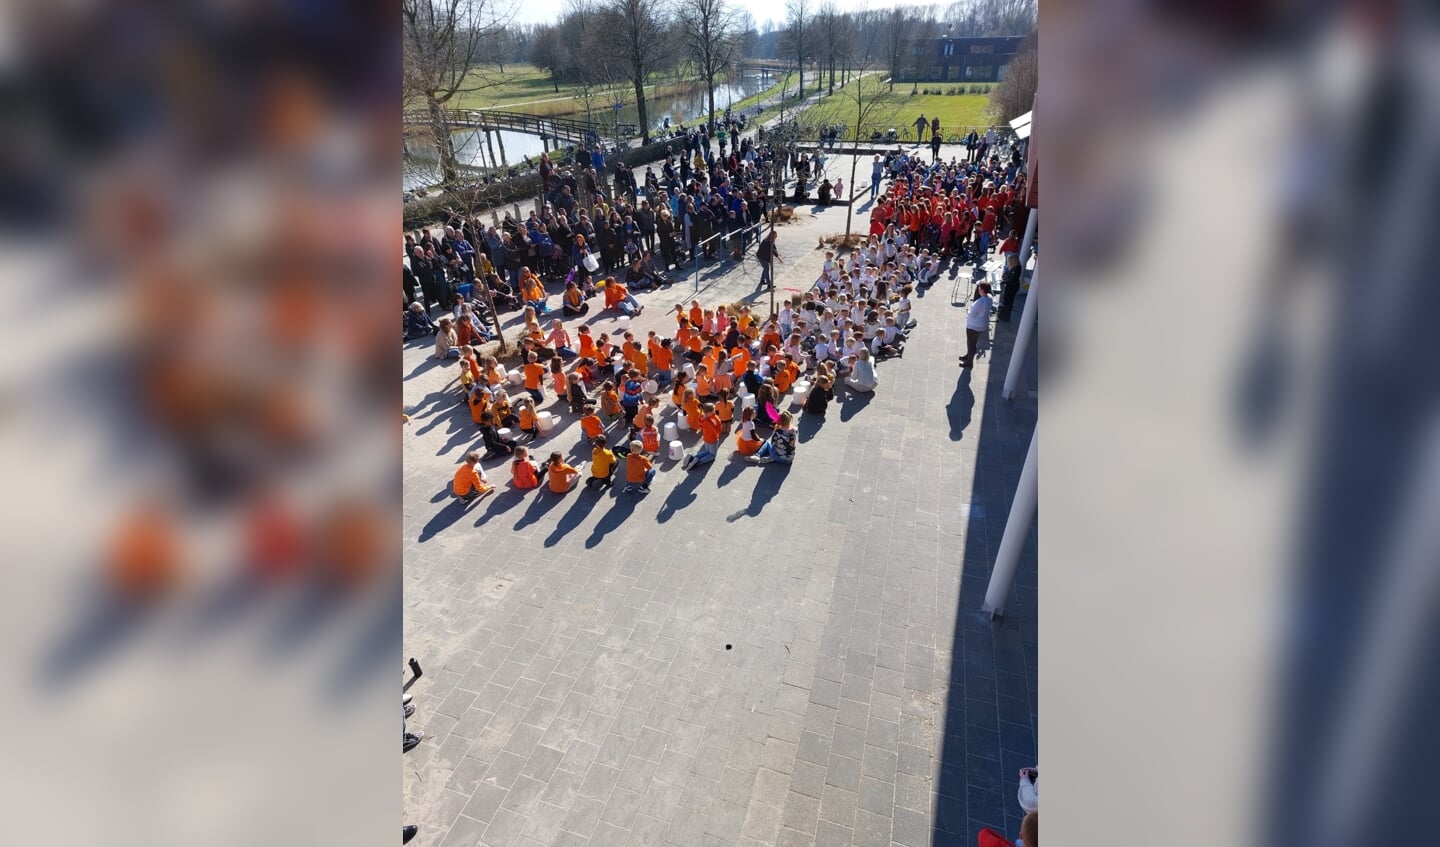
(961, 405)
(621, 509)
(854, 403)
(448, 514)
(808, 426)
(540, 505)
(772, 476)
(683, 494)
(501, 502)
(583, 505)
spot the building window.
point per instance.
(949, 48)
(982, 48)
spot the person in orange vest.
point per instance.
(562, 476)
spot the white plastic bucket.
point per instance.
(802, 389)
(672, 431)
(682, 421)
(651, 386)
(505, 433)
(677, 450)
(515, 377)
(690, 369)
(624, 323)
(748, 401)
(546, 421)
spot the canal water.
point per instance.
(421, 170)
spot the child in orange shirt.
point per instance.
(479, 400)
(677, 394)
(587, 344)
(704, 388)
(609, 401)
(725, 409)
(469, 482)
(602, 463)
(745, 440)
(529, 421)
(639, 470)
(697, 316)
(664, 357)
(709, 437)
(692, 409)
(591, 424)
(650, 436)
(523, 471)
(534, 374)
(562, 476)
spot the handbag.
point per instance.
(591, 263)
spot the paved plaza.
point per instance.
(747, 655)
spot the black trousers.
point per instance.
(972, 341)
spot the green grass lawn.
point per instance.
(522, 84)
(899, 109)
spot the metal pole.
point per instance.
(1017, 527)
(1022, 337)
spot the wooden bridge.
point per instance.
(553, 129)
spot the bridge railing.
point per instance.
(557, 128)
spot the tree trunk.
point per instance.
(640, 110)
(854, 160)
(555, 82)
(710, 93)
(444, 143)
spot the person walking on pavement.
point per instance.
(977, 320)
(920, 124)
(877, 170)
(768, 253)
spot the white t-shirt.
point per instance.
(978, 317)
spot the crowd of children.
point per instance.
(721, 373)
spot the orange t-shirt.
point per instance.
(697, 317)
(587, 346)
(723, 383)
(592, 426)
(559, 383)
(527, 418)
(610, 403)
(703, 385)
(467, 480)
(692, 413)
(664, 358)
(650, 437)
(478, 401)
(710, 429)
(534, 372)
(524, 473)
(725, 410)
(560, 477)
(636, 466)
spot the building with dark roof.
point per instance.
(960, 59)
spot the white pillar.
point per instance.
(1022, 337)
(1017, 527)
(1028, 238)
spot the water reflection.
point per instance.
(420, 169)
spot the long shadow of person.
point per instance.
(961, 405)
(683, 494)
(583, 504)
(772, 476)
(448, 514)
(543, 501)
(428, 364)
(621, 508)
(502, 502)
(854, 401)
(807, 428)
(732, 469)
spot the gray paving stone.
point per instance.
(581, 646)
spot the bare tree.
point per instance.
(1015, 94)
(894, 42)
(442, 40)
(798, 35)
(711, 30)
(549, 51)
(920, 46)
(638, 28)
(974, 18)
(868, 104)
